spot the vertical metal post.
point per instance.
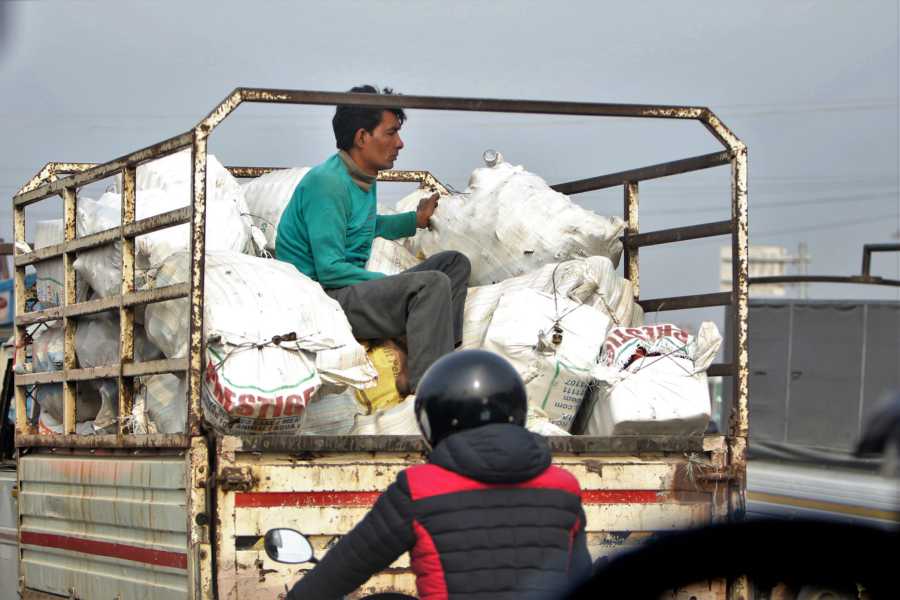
(22, 425)
(740, 291)
(198, 263)
(126, 313)
(69, 415)
(632, 227)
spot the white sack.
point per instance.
(592, 281)
(555, 376)
(165, 184)
(509, 222)
(399, 419)
(652, 381)
(253, 384)
(49, 275)
(97, 342)
(390, 257)
(267, 197)
(331, 411)
(164, 398)
(48, 425)
(538, 422)
(95, 401)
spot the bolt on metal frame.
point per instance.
(40, 188)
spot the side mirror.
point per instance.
(288, 546)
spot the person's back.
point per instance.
(493, 518)
(487, 517)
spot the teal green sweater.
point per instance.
(327, 229)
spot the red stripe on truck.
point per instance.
(620, 496)
(276, 499)
(364, 499)
(163, 558)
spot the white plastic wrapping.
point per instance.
(49, 273)
(164, 398)
(253, 382)
(509, 222)
(331, 411)
(390, 257)
(537, 421)
(556, 375)
(267, 197)
(592, 281)
(399, 419)
(652, 380)
(97, 342)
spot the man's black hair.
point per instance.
(350, 119)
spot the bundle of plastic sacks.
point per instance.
(279, 354)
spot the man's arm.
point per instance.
(326, 214)
(376, 541)
(392, 227)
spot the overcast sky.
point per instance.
(810, 87)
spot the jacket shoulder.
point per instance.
(559, 478)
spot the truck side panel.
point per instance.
(104, 526)
(627, 500)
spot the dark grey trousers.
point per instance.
(424, 303)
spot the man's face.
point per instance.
(379, 149)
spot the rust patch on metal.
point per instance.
(236, 479)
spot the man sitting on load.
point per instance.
(327, 229)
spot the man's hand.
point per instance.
(426, 208)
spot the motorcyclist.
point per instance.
(487, 516)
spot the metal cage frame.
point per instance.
(65, 178)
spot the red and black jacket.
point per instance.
(487, 517)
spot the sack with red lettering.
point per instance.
(652, 381)
(272, 336)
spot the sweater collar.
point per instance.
(361, 179)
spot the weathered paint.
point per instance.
(126, 313)
(626, 499)
(102, 171)
(104, 526)
(198, 262)
(9, 539)
(632, 228)
(51, 172)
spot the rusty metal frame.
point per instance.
(735, 154)
(865, 277)
(65, 179)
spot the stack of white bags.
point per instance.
(280, 356)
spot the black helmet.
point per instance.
(468, 389)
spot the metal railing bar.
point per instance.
(169, 292)
(685, 165)
(107, 169)
(597, 109)
(720, 370)
(868, 249)
(153, 367)
(869, 280)
(171, 218)
(153, 440)
(678, 234)
(685, 302)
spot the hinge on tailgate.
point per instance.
(236, 479)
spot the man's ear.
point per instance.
(359, 138)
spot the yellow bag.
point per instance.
(390, 362)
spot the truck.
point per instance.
(820, 370)
(182, 516)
